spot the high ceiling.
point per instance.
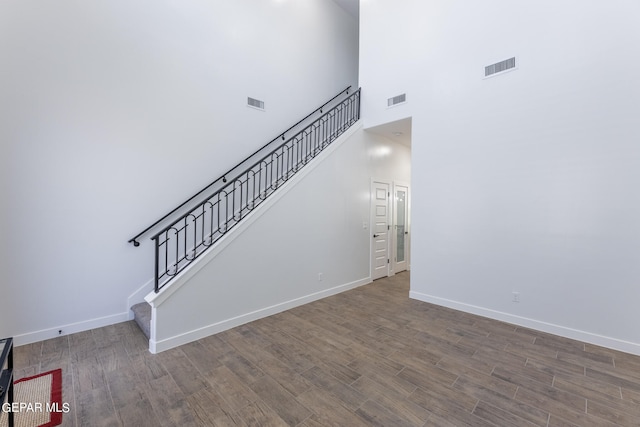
(398, 131)
(351, 6)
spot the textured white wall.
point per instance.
(112, 112)
(524, 182)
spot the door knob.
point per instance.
(376, 235)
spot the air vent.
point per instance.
(399, 99)
(500, 67)
(255, 103)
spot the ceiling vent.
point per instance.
(255, 103)
(399, 99)
(500, 67)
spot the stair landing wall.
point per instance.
(306, 242)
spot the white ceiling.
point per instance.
(351, 6)
(398, 131)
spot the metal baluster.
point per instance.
(247, 190)
(157, 259)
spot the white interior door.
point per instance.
(401, 227)
(380, 230)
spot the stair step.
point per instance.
(142, 316)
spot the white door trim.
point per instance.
(377, 269)
(393, 239)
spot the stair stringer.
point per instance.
(166, 331)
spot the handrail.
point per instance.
(262, 159)
(223, 178)
(189, 236)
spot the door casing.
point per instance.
(383, 220)
(400, 265)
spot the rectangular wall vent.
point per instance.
(500, 67)
(399, 99)
(255, 103)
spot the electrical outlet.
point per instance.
(516, 297)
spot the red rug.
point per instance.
(39, 400)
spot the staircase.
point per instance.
(142, 316)
(196, 225)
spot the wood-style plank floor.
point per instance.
(370, 356)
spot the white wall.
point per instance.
(271, 262)
(316, 227)
(112, 112)
(524, 182)
(388, 160)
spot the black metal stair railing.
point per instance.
(189, 236)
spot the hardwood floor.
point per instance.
(370, 356)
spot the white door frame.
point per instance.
(396, 267)
(375, 273)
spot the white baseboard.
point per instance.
(588, 337)
(138, 296)
(70, 328)
(185, 338)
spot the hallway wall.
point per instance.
(524, 182)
